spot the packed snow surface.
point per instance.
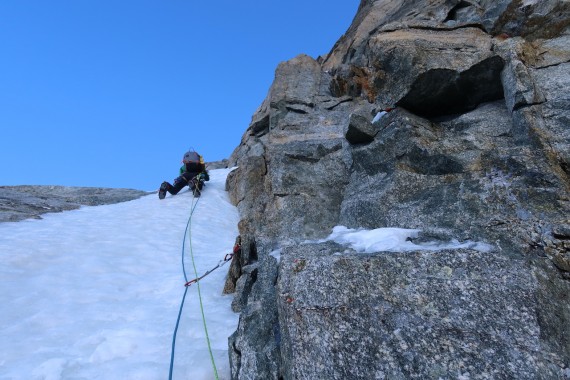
(94, 293)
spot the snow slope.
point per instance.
(94, 293)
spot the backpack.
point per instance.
(192, 157)
(193, 162)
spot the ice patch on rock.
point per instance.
(394, 240)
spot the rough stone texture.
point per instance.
(477, 148)
(24, 202)
(412, 315)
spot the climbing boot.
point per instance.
(162, 190)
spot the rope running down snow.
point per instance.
(188, 232)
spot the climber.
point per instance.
(192, 173)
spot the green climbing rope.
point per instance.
(200, 298)
(188, 232)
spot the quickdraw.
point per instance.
(221, 263)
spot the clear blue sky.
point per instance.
(111, 93)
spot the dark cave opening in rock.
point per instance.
(453, 13)
(440, 92)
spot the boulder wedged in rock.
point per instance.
(360, 130)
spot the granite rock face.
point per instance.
(476, 148)
(24, 202)
(441, 314)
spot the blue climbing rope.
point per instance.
(188, 232)
(192, 208)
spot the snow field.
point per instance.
(94, 293)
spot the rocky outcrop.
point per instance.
(222, 164)
(24, 202)
(477, 148)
